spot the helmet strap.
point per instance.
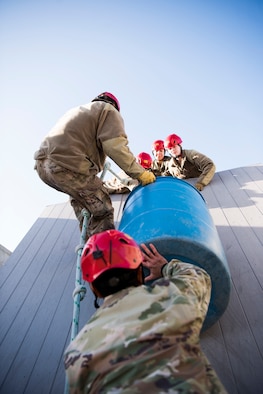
(178, 157)
(96, 305)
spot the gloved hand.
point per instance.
(199, 186)
(146, 177)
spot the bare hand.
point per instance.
(152, 260)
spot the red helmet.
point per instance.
(109, 98)
(158, 145)
(144, 159)
(106, 250)
(171, 141)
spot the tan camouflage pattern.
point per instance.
(146, 339)
(193, 164)
(160, 168)
(84, 191)
(73, 153)
(121, 185)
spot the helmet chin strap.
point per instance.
(96, 295)
(96, 305)
(178, 156)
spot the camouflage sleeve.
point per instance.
(161, 168)
(174, 168)
(204, 164)
(192, 280)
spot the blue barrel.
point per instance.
(173, 215)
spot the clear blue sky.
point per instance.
(191, 67)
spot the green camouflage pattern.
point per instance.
(146, 339)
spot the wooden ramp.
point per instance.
(37, 282)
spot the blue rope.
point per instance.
(80, 289)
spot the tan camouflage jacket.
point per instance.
(84, 136)
(146, 339)
(193, 164)
(160, 168)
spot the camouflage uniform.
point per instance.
(146, 339)
(116, 186)
(74, 152)
(160, 168)
(193, 164)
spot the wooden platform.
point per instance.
(37, 282)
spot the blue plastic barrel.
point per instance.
(173, 215)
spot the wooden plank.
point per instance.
(55, 339)
(22, 263)
(242, 321)
(256, 173)
(22, 307)
(239, 186)
(23, 247)
(244, 355)
(245, 234)
(26, 272)
(214, 347)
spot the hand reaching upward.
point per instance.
(152, 260)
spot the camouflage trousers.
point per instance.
(85, 191)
